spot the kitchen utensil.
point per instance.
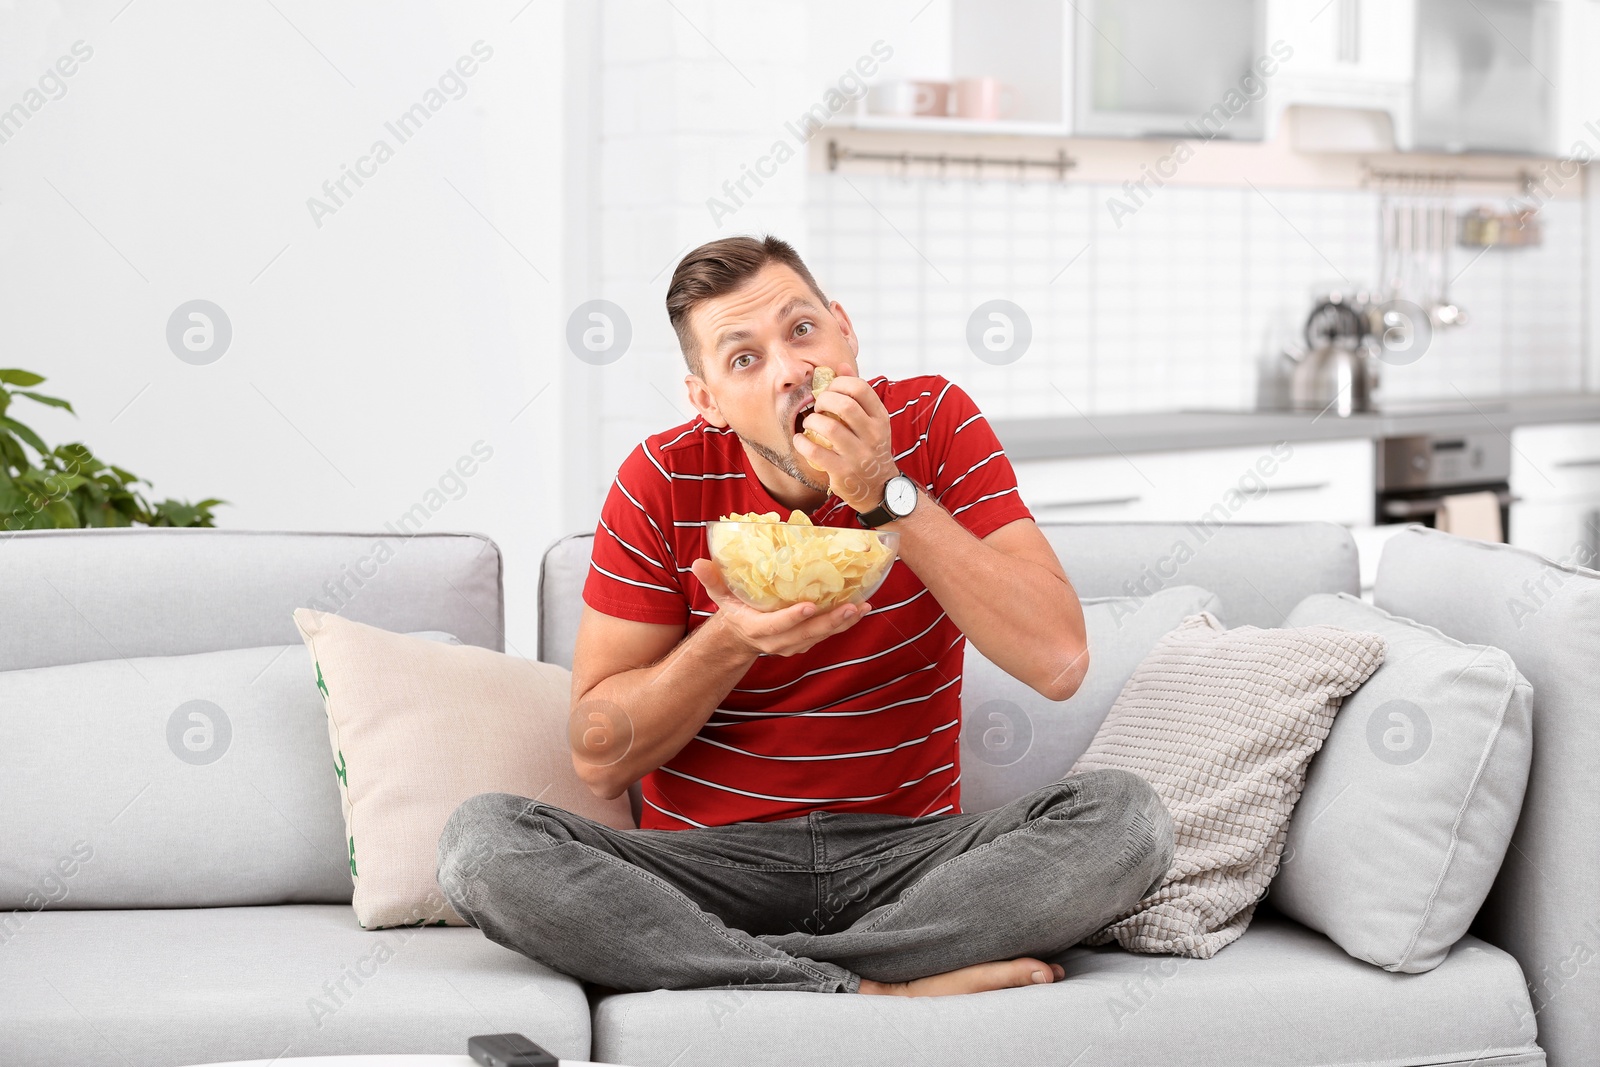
(1336, 372)
(1335, 377)
(1389, 251)
(1444, 312)
(1332, 319)
(1404, 219)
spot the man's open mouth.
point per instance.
(805, 409)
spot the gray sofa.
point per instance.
(210, 919)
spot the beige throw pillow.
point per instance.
(1222, 723)
(417, 727)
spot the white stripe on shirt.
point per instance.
(834, 756)
(673, 814)
(969, 470)
(981, 499)
(703, 477)
(806, 800)
(848, 662)
(647, 516)
(824, 713)
(630, 581)
(647, 558)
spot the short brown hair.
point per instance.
(717, 268)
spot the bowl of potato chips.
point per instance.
(771, 564)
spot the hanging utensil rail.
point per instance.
(1401, 180)
(838, 153)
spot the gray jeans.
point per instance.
(814, 903)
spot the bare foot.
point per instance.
(1001, 974)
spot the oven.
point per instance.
(1415, 473)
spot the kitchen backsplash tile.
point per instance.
(1176, 305)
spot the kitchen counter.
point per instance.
(1052, 437)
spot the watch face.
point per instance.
(900, 494)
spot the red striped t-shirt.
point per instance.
(866, 720)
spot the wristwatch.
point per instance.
(899, 497)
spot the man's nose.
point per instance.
(796, 370)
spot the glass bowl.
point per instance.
(774, 565)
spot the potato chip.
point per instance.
(771, 564)
(821, 378)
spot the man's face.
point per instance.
(758, 346)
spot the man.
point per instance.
(800, 769)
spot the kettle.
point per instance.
(1338, 371)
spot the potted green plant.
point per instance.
(69, 487)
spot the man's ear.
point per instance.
(706, 404)
(845, 327)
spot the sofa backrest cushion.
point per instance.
(1258, 571)
(190, 781)
(78, 595)
(108, 599)
(1409, 805)
(1014, 739)
(1545, 905)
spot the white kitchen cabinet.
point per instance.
(1567, 531)
(1555, 473)
(1486, 76)
(1577, 77)
(1348, 44)
(1556, 461)
(1151, 68)
(1083, 489)
(1027, 44)
(1286, 482)
(1111, 68)
(1345, 54)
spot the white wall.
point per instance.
(369, 353)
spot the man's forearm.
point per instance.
(660, 706)
(1025, 618)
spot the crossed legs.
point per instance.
(933, 906)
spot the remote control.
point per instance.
(508, 1050)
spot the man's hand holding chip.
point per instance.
(854, 421)
(784, 632)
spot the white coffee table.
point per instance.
(377, 1061)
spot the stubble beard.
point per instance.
(789, 463)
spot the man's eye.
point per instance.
(805, 326)
(741, 355)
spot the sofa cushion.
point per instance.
(93, 594)
(1222, 723)
(1014, 739)
(1409, 806)
(415, 728)
(169, 781)
(1280, 996)
(1545, 905)
(1258, 570)
(208, 985)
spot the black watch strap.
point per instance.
(876, 517)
